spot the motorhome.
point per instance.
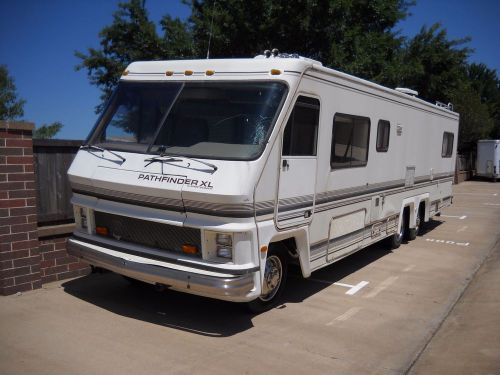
(211, 176)
(488, 158)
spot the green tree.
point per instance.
(355, 36)
(131, 37)
(435, 65)
(47, 131)
(11, 107)
(487, 84)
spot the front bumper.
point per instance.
(237, 288)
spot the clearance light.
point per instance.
(210, 72)
(188, 73)
(189, 249)
(102, 231)
(169, 73)
(263, 249)
(125, 73)
(275, 72)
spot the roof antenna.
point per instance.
(211, 26)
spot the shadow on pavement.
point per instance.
(205, 316)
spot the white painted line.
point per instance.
(344, 285)
(448, 242)
(455, 216)
(383, 285)
(495, 194)
(345, 316)
(409, 268)
(357, 288)
(491, 204)
(462, 229)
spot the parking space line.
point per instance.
(491, 204)
(383, 285)
(409, 268)
(455, 216)
(462, 229)
(345, 316)
(352, 289)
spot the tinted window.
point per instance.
(447, 148)
(349, 141)
(301, 132)
(383, 131)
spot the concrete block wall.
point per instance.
(29, 256)
(19, 251)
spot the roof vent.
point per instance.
(406, 91)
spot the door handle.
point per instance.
(284, 165)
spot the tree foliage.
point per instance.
(355, 36)
(47, 131)
(11, 107)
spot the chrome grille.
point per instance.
(148, 233)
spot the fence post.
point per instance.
(19, 251)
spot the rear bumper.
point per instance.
(237, 288)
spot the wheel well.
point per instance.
(288, 245)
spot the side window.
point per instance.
(383, 131)
(447, 148)
(349, 141)
(301, 132)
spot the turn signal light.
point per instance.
(103, 231)
(189, 249)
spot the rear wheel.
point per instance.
(275, 273)
(397, 238)
(419, 222)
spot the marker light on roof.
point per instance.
(188, 73)
(169, 73)
(275, 72)
(125, 73)
(210, 72)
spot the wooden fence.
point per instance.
(52, 160)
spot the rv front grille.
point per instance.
(148, 233)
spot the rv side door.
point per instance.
(296, 191)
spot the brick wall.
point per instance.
(56, 263)
(29, 255)
(19, 252)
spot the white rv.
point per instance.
(488, 158)
(210, 176)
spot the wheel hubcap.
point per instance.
(272, 278)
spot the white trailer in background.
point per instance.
(488, 158)
(210, 176)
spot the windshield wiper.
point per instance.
(172, 159)
(92, 147)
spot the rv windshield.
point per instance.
(216, 120)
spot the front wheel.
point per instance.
(275, 273)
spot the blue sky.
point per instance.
(38, 40)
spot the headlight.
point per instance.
(224, 242)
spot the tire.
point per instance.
(275, 274)
(396, 239)
(419, 223)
